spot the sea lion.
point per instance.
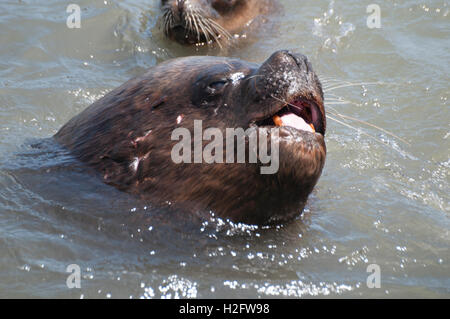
(210, 21)
(127, 135)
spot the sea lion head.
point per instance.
(128, 135)
(207, 21)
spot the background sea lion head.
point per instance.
(127, 135)
(208, 21)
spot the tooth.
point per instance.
(277, 120)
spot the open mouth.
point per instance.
(301, 114)
(186, 36)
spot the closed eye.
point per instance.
(218, 85)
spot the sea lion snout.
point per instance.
(286, 79)
(178, 11)
(292, 71)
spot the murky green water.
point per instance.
(381, 200)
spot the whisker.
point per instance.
(327, 80)
(337, 103)
(323, 77)
(217, 38)
(364, 133)
(167, 24)
(215, 33)
(200, 22)
(196, 26)
(336, 113)
(165, 20)
(352, 127)
(212, 33)
(332, 94)
(189, 22)
(352, 84)
(331, 81)
(335, 100)
(221, 29)
(253, 76)
(198, 14)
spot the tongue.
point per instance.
(290, 119)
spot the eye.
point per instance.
(217, 86)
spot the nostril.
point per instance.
(177, 8)
(301, 60)
(180, 6)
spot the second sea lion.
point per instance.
(210, 21)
